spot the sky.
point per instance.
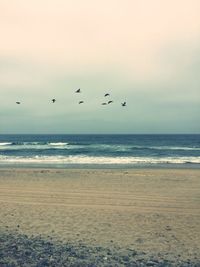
(144, 52)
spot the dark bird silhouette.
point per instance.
(109, 102)
(104, 104)
(18, 103)
(107, 94)
(124, 104)
(81, 102)
(78, 91)
(53, 100)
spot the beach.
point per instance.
(154, 213)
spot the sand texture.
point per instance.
(156, 212)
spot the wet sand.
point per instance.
(155, 212)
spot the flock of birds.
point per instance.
(81, 101)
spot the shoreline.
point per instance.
(186, 166)
(154, 211)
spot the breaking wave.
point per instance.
(100, 149)
(98, 160)
(65, 145)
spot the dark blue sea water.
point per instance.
(100, 150)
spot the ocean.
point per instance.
(62, 151)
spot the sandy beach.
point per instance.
(153, 211)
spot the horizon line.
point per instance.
(99, 134)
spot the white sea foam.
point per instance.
(5, 144)
(115, 147)
(58, 144)
(173, 148)
(37, 146)
(99, 147)
(111, 147)
(97, 160)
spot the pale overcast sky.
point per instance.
(146, 53)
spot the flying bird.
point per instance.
(18, 103)
(124, 104)
(109, 102)
(107, 94)
(104, 104)
(53, 100)
(81, 102)
(78, 91)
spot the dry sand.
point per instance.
(155, 211)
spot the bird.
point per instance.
(81, 102)
(107, 94)
(18, 103)
(53, 100)
(104, 104)
(109, 102)
(124, 104)
(78, 91)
